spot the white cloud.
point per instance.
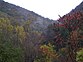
(48, 8)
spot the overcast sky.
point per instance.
(48, 8)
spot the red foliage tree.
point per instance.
(72, 23)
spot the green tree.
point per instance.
(9, 53)
(79, 56)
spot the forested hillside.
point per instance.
(19, 15)
(28, 37)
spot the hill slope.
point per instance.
(78, 8)
(18, 14)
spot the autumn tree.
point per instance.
(67, 33)
(8, 52)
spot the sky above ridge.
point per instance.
(47, 8)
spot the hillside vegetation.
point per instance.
(28, 37)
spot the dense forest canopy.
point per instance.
(28, 37)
